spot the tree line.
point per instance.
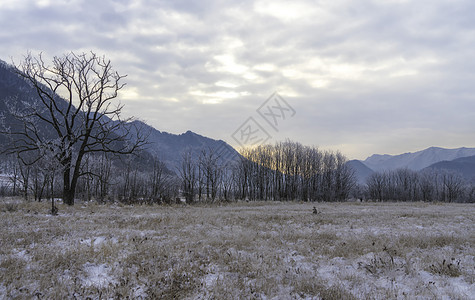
(291, 171)
(283, 171)
(426, 185)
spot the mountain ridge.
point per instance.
(169, 147)
(465, 166)
(416, 160)
(361, 171)
(165, 146)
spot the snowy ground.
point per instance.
(245, 250)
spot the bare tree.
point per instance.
(73, 112)
(158, 181)
(188, 176)
(453, 186)
(344, 178)
(51, 166)
(40, 179)
(24, 172)
(228, 179)
(13, 168)
(209, 167)
(427, 185)
(103, 176)
(375, 185)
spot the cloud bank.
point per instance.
(363, 76)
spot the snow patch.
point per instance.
(97, 241)
(210, 280)
(22, 254)
(140, 292)
(98, 275)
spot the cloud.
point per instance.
(362, 75)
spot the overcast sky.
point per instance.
(363, 77)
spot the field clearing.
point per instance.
(261, 250)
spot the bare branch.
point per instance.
(84, 121)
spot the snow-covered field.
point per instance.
(244, 250)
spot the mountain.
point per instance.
(169, 148)
(417, 160)
(12, 88)
(464, 166)
(362, 172)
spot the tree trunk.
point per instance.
(68, 196)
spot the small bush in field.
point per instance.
(10, 207)
(451, 269)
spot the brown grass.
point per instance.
(240, 250)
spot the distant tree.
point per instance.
(228, 180)
(103, 176)
(51, 167)
(188, 176)
(13, 168)
(208, 165)
(158, 181)
(453, 186)
(470, 193)
(344, 178)
(39, 178)
(375, 185)
(329, 168)
(427, 185)
(73, 113)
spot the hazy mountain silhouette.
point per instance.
(464, 166)
(417, 160)
(12, 88)
(170, 148)
(362, 172)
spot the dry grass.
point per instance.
(241, 250)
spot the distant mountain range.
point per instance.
(459, 160)
(416, 161)
(464, 166)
